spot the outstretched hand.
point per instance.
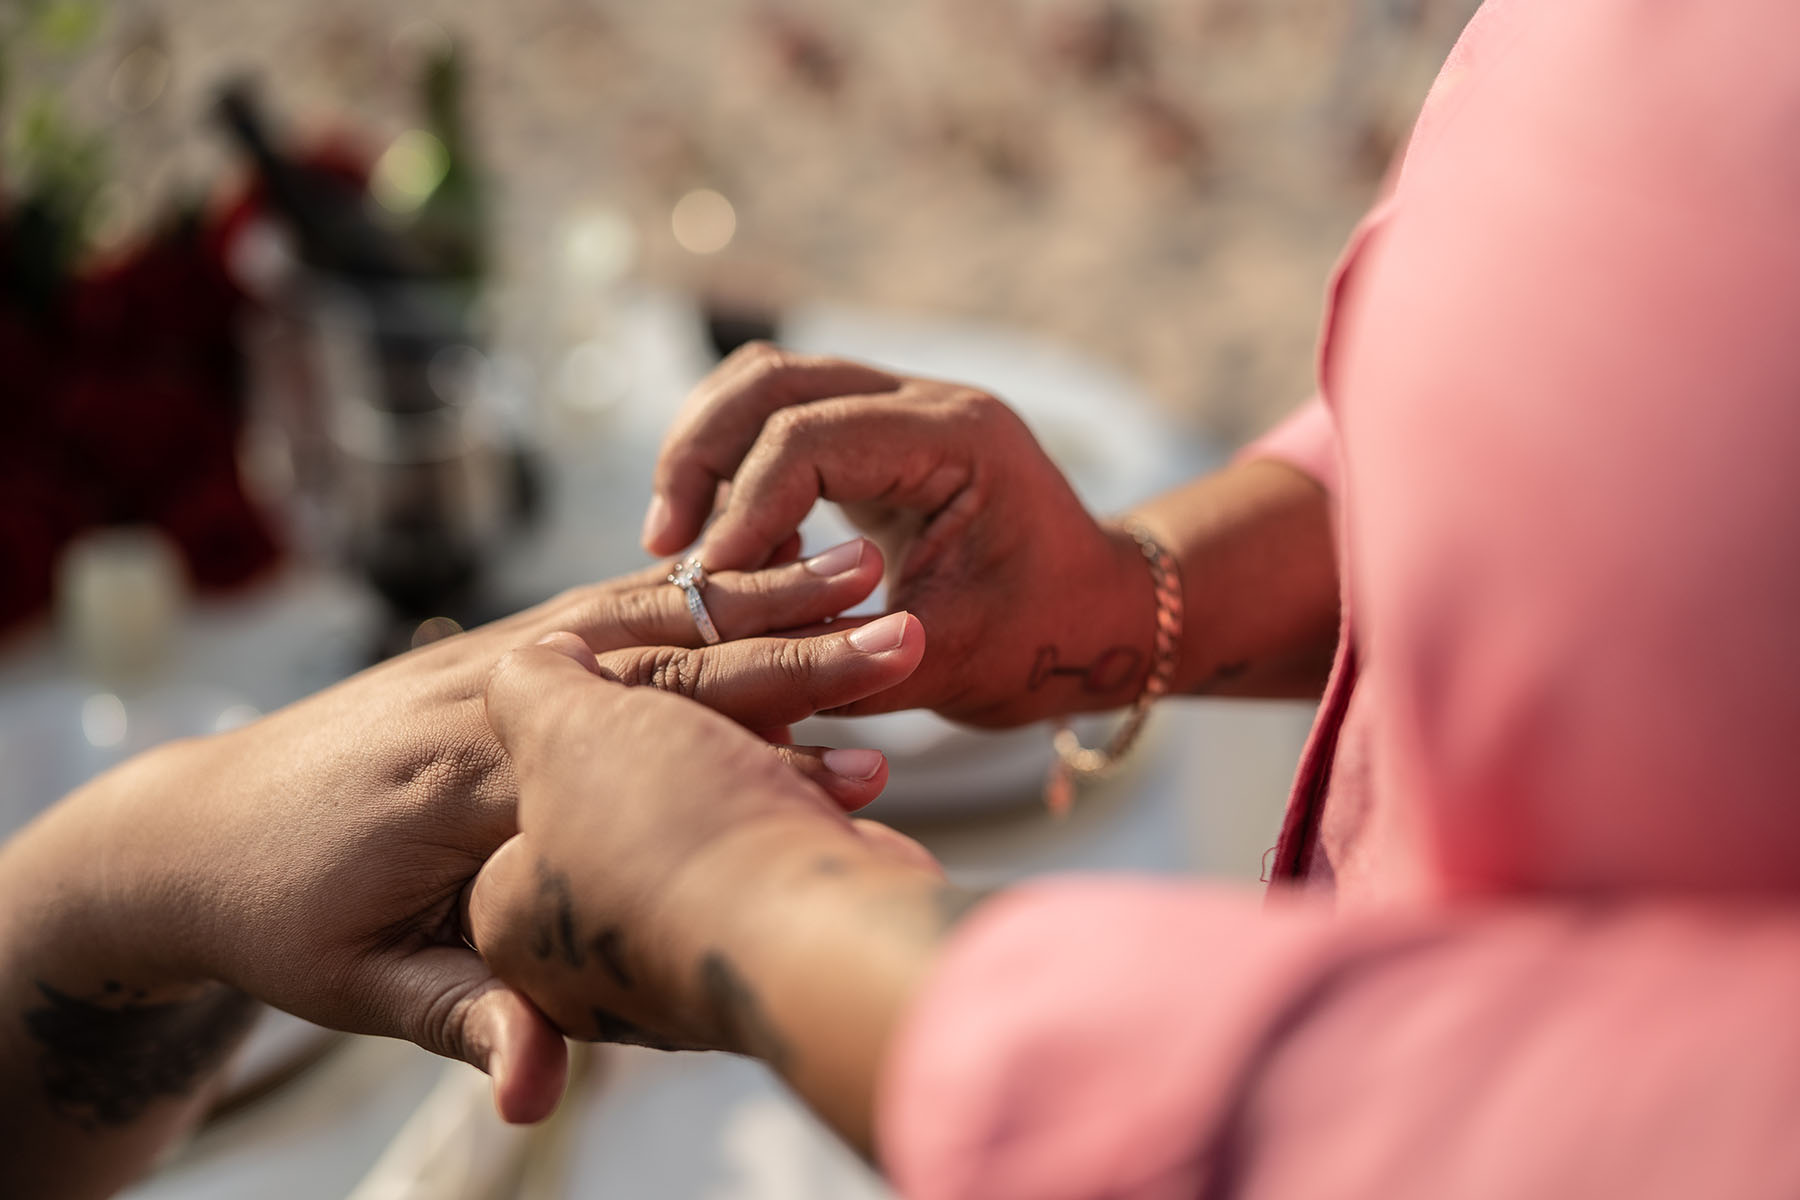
(314, 858)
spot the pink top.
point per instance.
(1562, 368)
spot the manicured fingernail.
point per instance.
(852, 764)
(836, 560)
(877, 636)
(656, 519)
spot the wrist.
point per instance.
(812, 961)
(778, 895)
(1102, 647)
(96, 895)
(93, 1011)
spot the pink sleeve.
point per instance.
(1305, 441)
(1148, 1040)
(1565, 385)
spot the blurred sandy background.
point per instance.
(1161, 183)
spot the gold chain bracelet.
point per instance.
(1075, 761)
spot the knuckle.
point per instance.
(670, 669)
(638, 615)
(787, 428)
(795, 661)
(500, 677)
(978, 406)
(582, 607)
(442, 1026)
(765, 357)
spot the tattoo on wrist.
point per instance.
(738, 1015)
(104, 1060)
(1114, 670)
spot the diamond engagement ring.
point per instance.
(690, 577)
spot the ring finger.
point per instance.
(648, 610)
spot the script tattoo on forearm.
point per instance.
(1112, 671)
(738, 1015)
(104, 1060)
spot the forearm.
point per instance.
(796, 943)
(1259, 577)
(829, 968)
(104, 1059)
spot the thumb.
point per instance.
(446, 1000)
(535, 690)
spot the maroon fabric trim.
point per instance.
(1306, 802)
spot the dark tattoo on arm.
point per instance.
(737, 1014)
(103, 1061)
(1111, 672)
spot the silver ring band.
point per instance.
(690, 577)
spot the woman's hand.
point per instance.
(314, 858)
(672, 886)
(1034, 609)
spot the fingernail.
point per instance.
(876, 636)
(836, 560)
(852, 764)
(656, 519)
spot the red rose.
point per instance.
(221, 534)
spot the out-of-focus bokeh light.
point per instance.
(703, 221)
(434, 629)
(103, 720)
(235, 716)
(599, 247)
(139, 79)
(409, 171)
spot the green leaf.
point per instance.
(66, 26)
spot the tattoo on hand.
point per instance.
(104, 1061)
(556, 927)
(1112, 671)
(559, 934)
(738, 1015)
(609, 948)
